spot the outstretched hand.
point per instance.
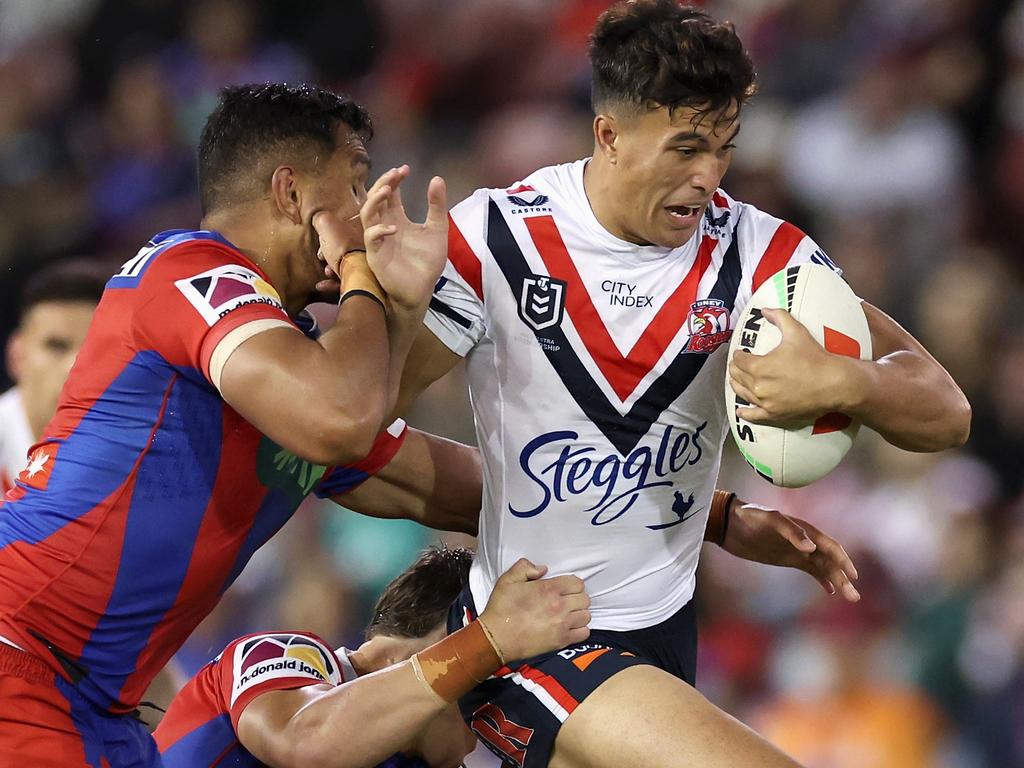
(768, 536)
(406, 257)
(795, 383)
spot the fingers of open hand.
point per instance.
(437, 203)
(376, 205)
(826, 568)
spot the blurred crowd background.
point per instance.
(892, 131)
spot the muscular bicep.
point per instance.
(269, 378)
(264, 725)
(428, 361)
(888, 336)
(323, 400)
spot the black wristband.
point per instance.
(360, 292)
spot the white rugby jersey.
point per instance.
(15, 438)
(596, 371)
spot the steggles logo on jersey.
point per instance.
(708, 326)
(561, 469)
(218, 291)
(542, 302)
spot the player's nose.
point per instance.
(707, 173)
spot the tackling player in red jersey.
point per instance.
(286, 699)
(203, 407)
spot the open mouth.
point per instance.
(682, 211)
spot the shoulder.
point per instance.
(202, 267)
(533, 194)
(274, 657)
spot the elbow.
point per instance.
(960, 422)
(952, 430)
(345, 441)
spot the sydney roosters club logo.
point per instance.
(708, 326)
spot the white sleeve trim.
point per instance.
(234, 339)
(458, 343)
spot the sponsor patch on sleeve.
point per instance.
(265, 658)
(220, 290)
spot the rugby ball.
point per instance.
(820, 299)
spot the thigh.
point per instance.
(644, 717)
(517, 714)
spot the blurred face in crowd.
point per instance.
(664, 167)
(42, 351)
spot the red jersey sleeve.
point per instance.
(258, 664)
(338, 480)
(193, 295)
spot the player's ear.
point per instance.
(286, 193)
(606, 134)
(15, 356)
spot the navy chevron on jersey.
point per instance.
(595, 370)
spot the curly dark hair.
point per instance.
(255, 128)
(417, 600)
(648, 54)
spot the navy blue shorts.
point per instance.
(518, 711)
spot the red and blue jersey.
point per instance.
(148, 493)
(200, 727)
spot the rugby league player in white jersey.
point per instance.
(593, 302)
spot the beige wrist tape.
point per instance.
(356, 275)
(454, 666)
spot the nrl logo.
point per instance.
(542, 302)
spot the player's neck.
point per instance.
(251, 231)
(599, 188)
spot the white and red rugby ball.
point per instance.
(820, 299)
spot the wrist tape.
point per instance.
(454, 666)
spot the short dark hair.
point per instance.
(418, 599)
(254, 125)
(68, 280)
(648, 54)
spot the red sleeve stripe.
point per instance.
(778, 253)
(464, 260)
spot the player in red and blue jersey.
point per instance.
(203, 407)
(288, 699)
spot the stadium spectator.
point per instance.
(57, 305)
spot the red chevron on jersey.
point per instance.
(623, 373)
(778, 253)
(463, 259)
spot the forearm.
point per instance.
(332, 729)
(404, 326)
(434, 481)
(908, 399)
